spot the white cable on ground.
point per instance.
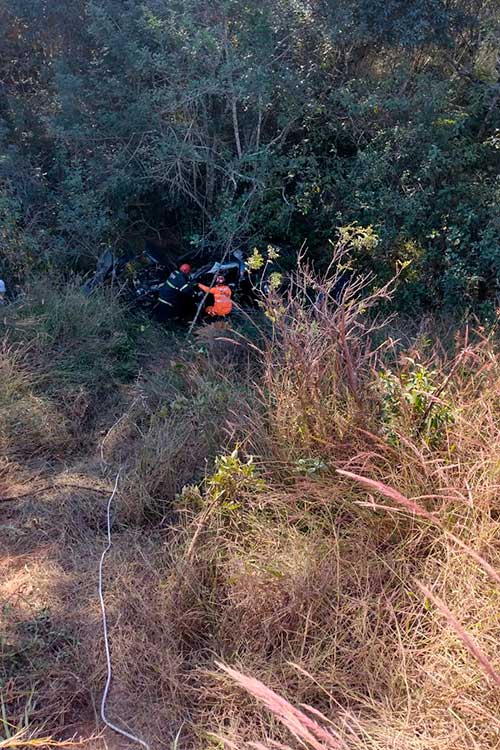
(105, 631)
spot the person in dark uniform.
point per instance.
(174, 296)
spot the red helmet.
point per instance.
(185, 268)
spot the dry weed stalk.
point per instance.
(306, 730)
(466, 639)
(320, 352)
(25, 739)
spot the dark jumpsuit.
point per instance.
(174, 296)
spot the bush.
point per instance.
(318, 359)
(414, 403)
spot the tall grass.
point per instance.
(87, 341)
(381, 616)
(64, 358)
(31, 424)
(332, 579)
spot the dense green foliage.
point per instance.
(277, 121)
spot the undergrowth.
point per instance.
(306, 550)
(65, 359)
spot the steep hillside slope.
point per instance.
(305, 535)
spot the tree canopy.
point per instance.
(232, 123)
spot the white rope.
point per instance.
(105, 631)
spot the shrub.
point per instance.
(230, 478)
(413, 402)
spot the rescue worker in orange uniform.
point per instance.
(223, 303)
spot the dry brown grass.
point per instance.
(319, 591)
(31, 425)
(318, 359)
(348, 578)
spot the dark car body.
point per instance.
(142, 275)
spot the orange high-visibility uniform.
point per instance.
(222, 299)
